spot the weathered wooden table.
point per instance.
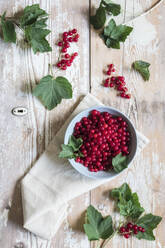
(23, 139)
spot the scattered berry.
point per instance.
(108, 72)
(74, 31)
(60, 43)
(111, 85)
(126, 236)
(106, 84)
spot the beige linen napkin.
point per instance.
(52, 182)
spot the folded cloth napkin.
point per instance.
(52, 182)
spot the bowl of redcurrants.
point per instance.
(105, 142)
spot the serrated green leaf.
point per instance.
(71, 150)
(33, 21)
(51, 91)
(149, 222)
(36, 38)
(99, 18)
(91, 232)
(31, 15)
(112, 43)
(111, 8)
(123, 191)
(113, 34)
(119, 163)
(143, 68)
(127, 202)
(121, 32)
(8, 29)
(40, 23)
(75, 143)
(109, 28)
(98, 226)
(105, 228)
(67, 152)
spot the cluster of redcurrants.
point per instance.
(117, 82)
(129, 229)
(67, 38)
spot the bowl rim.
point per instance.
(89, 110)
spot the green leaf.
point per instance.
(109, 28)
(51, 91)
(149, 222)
(97, 227)
(99, 18)
(111, 8)
(40, 23)
(36, 38)
(112, 43)
(121, 32)
(67, 152)
(127, 202)
(119, 163)
(142, 68)
(113, 34)
(31, 14)
(75, 143)
(33, 21)
(124, 191)
(71, 150)
(8, 29)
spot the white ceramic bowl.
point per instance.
(132, 148)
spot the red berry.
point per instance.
(126, 236)
(113, 79)
(70, 33)
(63, 67)
(140, 228)
(77, 36)
(74, 31)
(143, 230)
(67, 56)
(135, 232)
(60, 43)
(78, 159)
(113, 70)
(70, 39)
(64, 50)
(111, 85)
(59, 64)
(108, 73)
(106, 84)
(123, 95)
(65, 34)
(75, 54)
(107, 80)
(68, 63)
(128, 96)
(129, 225)
(135, 227)
(63, 61)
(110, 66)
(66, 45)
(122, 229)
(65, 39)
(75, 39)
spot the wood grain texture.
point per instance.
(24, 139)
